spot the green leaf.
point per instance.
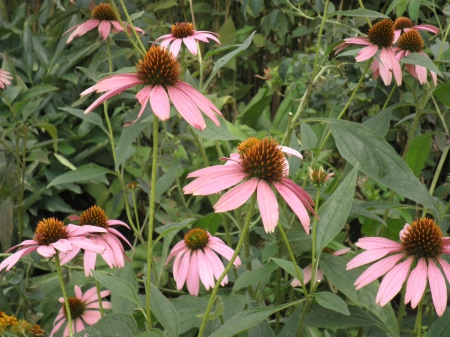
(91, 117)
(6, 227)
(111, 325)
(441, 326)
(209, 222)
(4, 304)
(163, 4)
(248, 319)
(287, 266)
(256, 106)
(331, 301)
(442, 93)
(151, 333)
(413, 9)
(51, 129)
(227, 33)
(224, 59)
(83, 173)
(249, 278)
(378, 160)
(214, 132)
(220, 307)
(118, 287)
(63, 160)
(360, 12)
(164, 311)
(382, 121)
(256, 7)
(334, 268)
(164, 182)
(167, 231)
(325, 318)
(137, 15)
(334, 212)
(308, 137)
(418, 153)
(38, 90)
(120, 303)
(392, 6)
(290, 327)
(421, 60)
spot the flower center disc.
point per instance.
(262, 159)
(196, 238)
(402, 23)
(94, 216)
(412, 41)
(50, 231)
(423, 239)
(77, 307)
(104, 12)
(382, 33)
(180, 30)
(158, 67)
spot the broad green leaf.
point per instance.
(224, 59)
(334, 268)
(51, 129)
(249, 278)
(81, 174)
(167, 231)
(120, 303)
(137, 15)
(442, 93)
(256, 7)
(220, 307)
(151, 333)
(256, 106)
(360, 12)
(418, 153)
(210, 222)
(37, 90)
(163, 4)
(118, 287)
(39, 156)
(227, 32)
(413, 9)
(392, 6)
(290, 327)
(112, 325)
(308, 137)
(334, 212)
(214, 132)
(382, 121)
(4, 304)
(378, 160)
(325, 318)
(6, 227)
(164, 182)
(288, 266)
(441, 326)
(331, 301)
(421, 60)
(91, 117)
(164, 311)
(268, 251)
(248, 319)
(63, 160)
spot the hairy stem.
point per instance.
(63, 289)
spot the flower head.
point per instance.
(7, 321)
(380, 38)
(318, 177)
(184, 32)
(52, 236)
(104, 18)
(403, 25)
(422, 246)
(261, 166)
(307, 271)
(159, 73)
(5, 77)
(82, 309)
(196, 258)
(114, 253)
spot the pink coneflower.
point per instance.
(307, 271)
(51, 236)
(104, 18)
(5, 77)
(159, 73)
(184, 32)
(196, 258)
(81, 310)
(114, 253)
(422, 245)
(380, 38)
(403, 25)
(262, 166)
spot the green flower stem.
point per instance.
(8, 103)
(390, 96)
(136, 217)
(314, 260)
(151, 219)
(100, 304)
(200, 147)
(108, 52)
(401, 308)
(441, 116)
(251, 207)
(63, 288)
(418, 325)
(136, 35)
(367, 19)
(117, 14)
(441, 49)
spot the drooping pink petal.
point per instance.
(57, 326)
(368, 257)
(165, 37)
(307, 274)
(394, 65)
(393, 281)
(358, 40)
(91, 317)
(117, 27)
(192, 279)
(10, 261)
(182, 269)
(216, 169)
(385, 67)
(268, 206)
(416, 284)
(84, 230)
(236, 197)
(83, 29)
(429, 28)
(342, 251)
(175, 47)
(366, 53)
(206, 274)
(445, 267)
(160, 102)
(204, 36)
(438, 288)
(191, 45)
(378, 243)
(79, 326)
(377, 270)
(104, 28)
(207, 185)
(215, 265)
(46, 251)
(69, 256)
(143, 97)
(221, 248)
(187, 108)
(89, 262)
(62, 245)
(290, 151)
(87, 244)
(301, 194)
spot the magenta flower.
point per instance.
(159, 73)
(82, 310)
(114, 253)
(50, 237)
(5, 77)
(261, 166)
(307, 271)
(104, 18)
(422, 245)
(380, 38)
(196, 258)
(184, 32)
(403, 25)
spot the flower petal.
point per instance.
(268, 206)
(438, 288)
(417, 283)
(393, 281)
(236, 197)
